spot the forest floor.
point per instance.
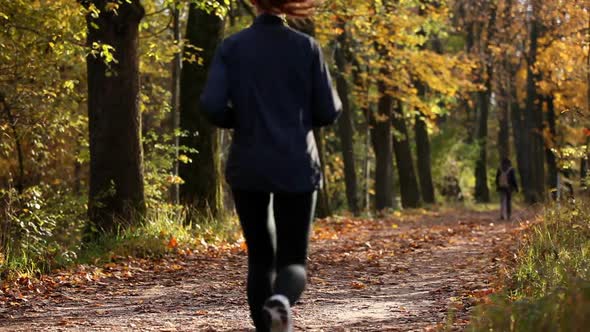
(407, 272)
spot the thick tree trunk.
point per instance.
(367, 163)
(470, 110)
(482, 192)
(345, 127)
(202, 177)
(423, 152)
(324, 207)
(367, 130)
(505, 78)
(421, 128)
(535, 191)
(584, 162)
(410, 193)
(382, 146)
(504, 124)
(114, 119)
(518, 132)
(550, 156)
(584, 174)
(423, 158)
(175, 91)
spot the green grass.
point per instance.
(549, 287)
(163, 230)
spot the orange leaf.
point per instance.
(358, 285)
(172, 243)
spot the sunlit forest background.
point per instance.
(100, 128)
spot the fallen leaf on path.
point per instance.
(358, 285)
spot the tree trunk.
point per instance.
(505, 77)
(423, 158)
(367, 130)
(202, 176)
(382, 145)
(550, 156)
(584, 162)
(470, 110)
(324, 209)
(114, 119)
(584, 174)
(175, 98)
(534, 192)
(504, 124)
(345, 127)
(423, 152)
(367, 163)
(403, 158)
(482, 192)
(518, 132)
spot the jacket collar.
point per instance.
(270, 19)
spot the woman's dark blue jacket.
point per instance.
(271, 85)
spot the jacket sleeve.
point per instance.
(326, 105)
(215, 97)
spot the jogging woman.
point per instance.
(270, 84)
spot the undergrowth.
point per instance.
(548, 289)
(40, 232)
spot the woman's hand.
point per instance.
(300, 8)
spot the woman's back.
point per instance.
(279, 88)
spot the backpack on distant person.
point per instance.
(503, 181)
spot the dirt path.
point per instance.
(405, 273)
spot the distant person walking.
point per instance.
(505, 185)
(271, 84)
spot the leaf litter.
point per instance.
(402, 272)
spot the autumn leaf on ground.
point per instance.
(358, 285)
(172, 243)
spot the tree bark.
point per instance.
(504, 124)
(423, 152)
(549, 155)
(382, 146)
(175, 98)
(324, 209)
(114, 119)
(345, 127)
(423, 159)
(403, 157)
(584, 174)
(470, 110)
(518, 131)
(201, 190)
(482, 192)
(535, 190)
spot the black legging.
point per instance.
(277, 249)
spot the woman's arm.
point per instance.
(215, 96)
(326, 104)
